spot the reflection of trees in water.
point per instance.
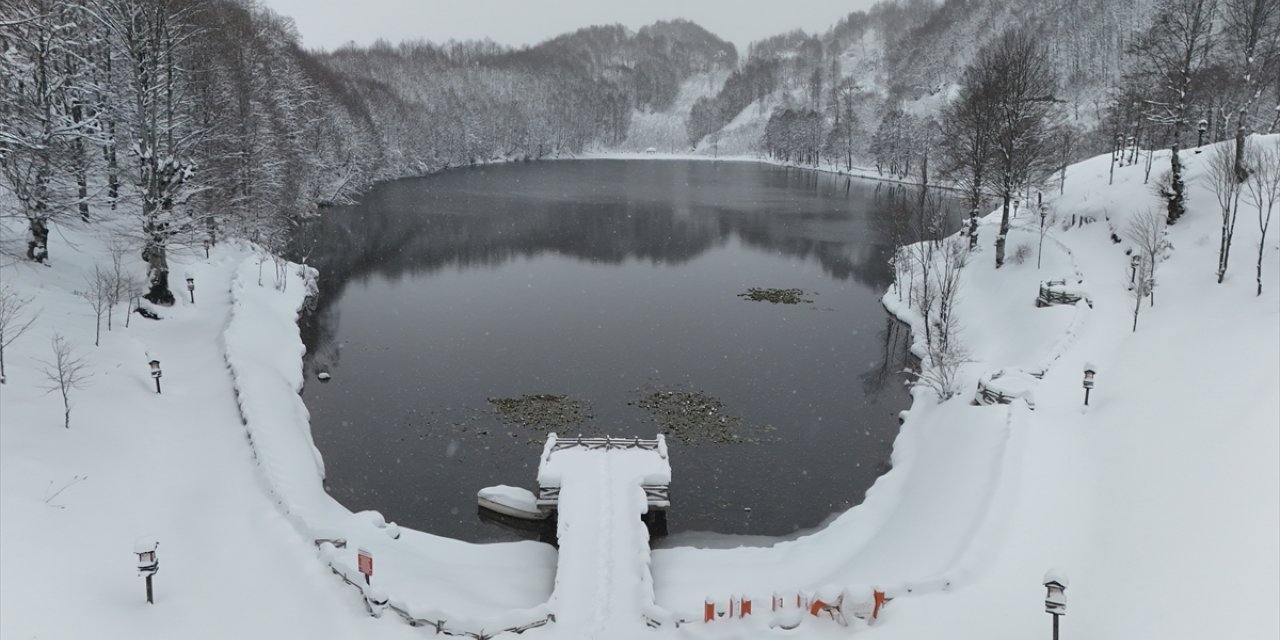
(319, 328)
(895, 357)
(415, 227)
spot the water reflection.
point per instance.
(599, 279)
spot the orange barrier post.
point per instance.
(817, 607)
(745, 609)
(875, 613)
(709, 611)
(732, 601)
(776, 603)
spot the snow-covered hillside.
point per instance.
(665, 131)
(911, 55)
(1160, 500)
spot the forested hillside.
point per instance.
(201, 119)
(874, 86)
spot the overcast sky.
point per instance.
(330, 23)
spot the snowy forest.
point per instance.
(203, 119)
(207, 119)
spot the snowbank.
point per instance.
(471, 587)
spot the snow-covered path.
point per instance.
(602, 579)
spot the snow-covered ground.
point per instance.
(1161, 500)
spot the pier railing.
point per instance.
(559, 444)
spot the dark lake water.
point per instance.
(604, 281)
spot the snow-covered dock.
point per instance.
(657, 489)
(603, 583)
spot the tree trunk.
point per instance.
(38, 243)
(113, 169)
(157, 273)
(973, 228)
(1004, 231)
(1242, 173)
(1111, 179)
(81, 172)
(1150, 157)
(1137, 308)
(1262, 246)
(82, 191)
(1176, 187)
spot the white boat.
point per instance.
(511, 501)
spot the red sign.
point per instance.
(365, 562)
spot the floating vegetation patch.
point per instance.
(542, 412)
(776, 296)
(693, 417)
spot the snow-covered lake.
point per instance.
(605, 281)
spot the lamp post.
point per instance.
(1202, 127)
(1134, 262)
(206, 248)
(1089, 371)
(191, 288)
(1055, 599)
(148, 563)
(155, 373)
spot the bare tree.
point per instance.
(131, 290)
(1264, 192)
(44, 122)
(927, 220)
(117, 279)
(66, 373)
(952, 257)
(1065, 140)
(1251, 31)
(157, 38)
(1016, 73)
(1222, 176)
(1174, 50)
(14, 320)
(967, 142)
(1147, 232)
(98, 295)
(940, 372)
(944, 355)
(1139, 288)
